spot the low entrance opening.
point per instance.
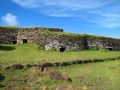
(14, 42)
(62, 49)
(25, 41)
(110, 48)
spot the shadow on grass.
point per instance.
(6, 48)
(1, 79)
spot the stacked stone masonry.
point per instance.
(55, 41)
(18, 35)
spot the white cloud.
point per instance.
(104, 13)
(10, 19)
(107, 19)
(106, 22)
(59, 7)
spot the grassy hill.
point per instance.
(55, 33)
(29, 53)
(94, 76)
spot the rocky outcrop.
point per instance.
(23, 35)
(8, 36)
(102, 43)
(59, 42)
(66, 42)
(45, 65)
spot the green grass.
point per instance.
(69, 34)
(25, 54)
(99, 76)
(9, 27)
(95, 76)
(46, 33)
(75, 35)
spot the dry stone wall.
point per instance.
(8, 36)
(56, 42)
(23, 35)
(102, 43)
(32, 34)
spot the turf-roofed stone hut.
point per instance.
(60, 42)
(8, 35)
(68, 41)
(15, 35)
(56, 39)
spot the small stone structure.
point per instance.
(22, 35)
(8, 35)
(67, 42)
(56, 39)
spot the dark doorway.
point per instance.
(110, 48)
(62, 49)
(25, 41)
(14, 42)
(85, 43)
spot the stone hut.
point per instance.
(68, 42)
(56, 39)
(23, 35)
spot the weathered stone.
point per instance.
(78, 61)
(85, 61)
(22, 35)
(47, 64)
(17, 66)
(55, 41)
(34, 65)
(28, 65)
(56, 64)
(66, 63)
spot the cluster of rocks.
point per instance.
(69, 42)
(56, 41)
(15, 67)
(18, 35)
(8, 36)
(57, 64)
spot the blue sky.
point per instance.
(100, 17)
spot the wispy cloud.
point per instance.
(106, 22)
(10, 19)
(104, 13)
(109, 18)
(59, 7)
